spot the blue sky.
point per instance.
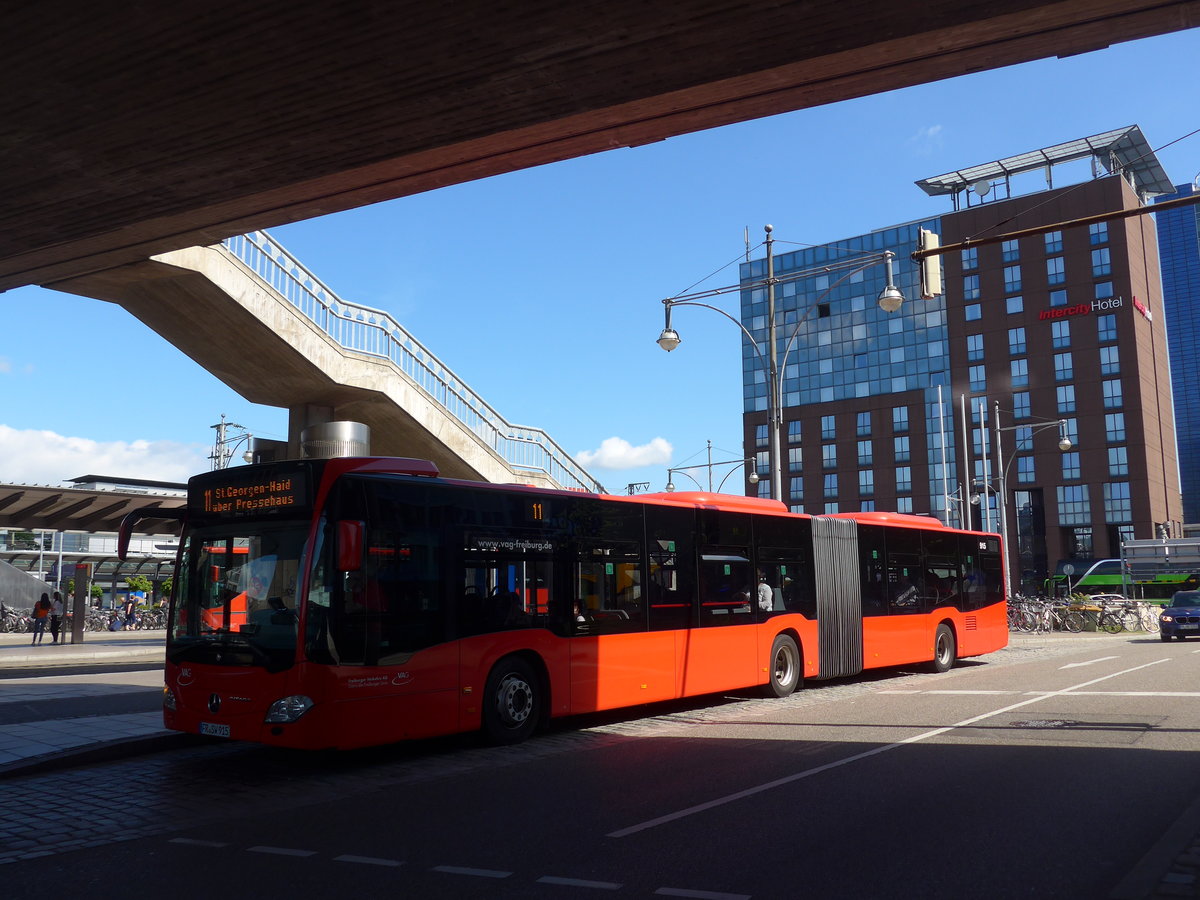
(542, 288)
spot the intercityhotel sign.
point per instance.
(1096, 306)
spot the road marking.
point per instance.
(283, 851)
(479, 873)
(700, 895)
(808, 773)
(580, 882)
(367, 860)
(1090, 662)
(196, 842)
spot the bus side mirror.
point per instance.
(350, 544)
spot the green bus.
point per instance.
(1104, 576)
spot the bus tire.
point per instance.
(944, 649)
(785, 671)
(512, 702)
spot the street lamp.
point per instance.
(226, 444)
(1064, 444)
(890, 300)
(684, 470)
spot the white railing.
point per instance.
(363, 329)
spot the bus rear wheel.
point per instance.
(785, 666)
(512, 702)
(943, 649)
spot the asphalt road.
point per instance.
(1047, 770)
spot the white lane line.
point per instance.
(479, 873)
(367, 860)
(971, 693)
(700, 895)
(1090, 662)
(196, 842)
(282, 851)
(580, 882)
(1132, 693)
(808, 773)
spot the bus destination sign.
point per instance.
(270, 493)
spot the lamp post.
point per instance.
(684, 470)
(1064, 444)
(225, 444)
(889, 300)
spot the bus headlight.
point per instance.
(289, 709)
(168, 698)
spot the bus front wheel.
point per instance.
(785, 666)
(512, 702)
(943, 649)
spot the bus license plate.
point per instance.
(214, 729)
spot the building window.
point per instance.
(1074, 507)
(1071, 429)
(1012, 279)
(1064, 367)
(1016, 341)
(1056, 272)
(1114, 428)
(1070, 466)
(866, 482)
(1020, 371)
(866, 453)
(970, 258)
(1118, 461)
(970, 287)
(866, 506)
(904, 505)
(1061, 333)
(903, 479)
(1110, 361)
(796, 489)
(761, 435)
(828, 428)
(1112, 394)
(1098, 233)
(1103, 290)
(1021, 405)
(1106, 327)
(901, 449)
(1066, 398)
(972, 311)
(1025, 470)
(795, 459)
(831, 509)
(1010, 251)
(974, 347)
(1117, 505)
(764, 488)
(1014, 305)
(978, 378)
(864, 424)
(794, 431)
(829, 456)
(1023, 435)
(1101, 265)
(899, 418)
(1058, 298)
(1080, 544)
(1053, 242)
(831, 487)
(762, 463)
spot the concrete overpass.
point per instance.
(131, 130)
(255, 317)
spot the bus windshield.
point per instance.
(235, 600)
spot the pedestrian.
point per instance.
(130, 609)
(41, 612)
(56, 613)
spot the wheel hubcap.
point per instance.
(783, 667)
(514, 699)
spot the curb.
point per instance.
(122, 748)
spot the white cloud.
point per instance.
(927, 140)
(43, 457)
(618, 453)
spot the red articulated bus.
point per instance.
(373, 601)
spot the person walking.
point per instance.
(130, 611)
(41, 612)
(56, 613)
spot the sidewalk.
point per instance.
(24, 745)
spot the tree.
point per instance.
(139, 583)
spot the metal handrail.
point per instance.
(363, 329)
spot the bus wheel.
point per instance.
(943, 649)
(511, 702)
(785, 666)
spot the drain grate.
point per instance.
(1043, 723)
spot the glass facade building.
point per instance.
(1179, 254)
